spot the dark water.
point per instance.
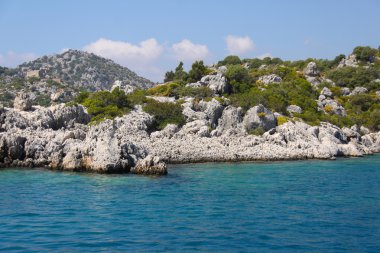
(301, 206)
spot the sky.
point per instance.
(151, 36)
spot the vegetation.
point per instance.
(246, 91)
(164, 113)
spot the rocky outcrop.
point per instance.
(267, 79)
(358, 90)
(22, 102)
(57, 137)
(150, 166)
(349, 62)
(216, 82)
(294, 109)
(311, 70)
(259, 116)
(327, 104)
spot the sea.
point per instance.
(288, 206)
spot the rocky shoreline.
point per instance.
(58, 137)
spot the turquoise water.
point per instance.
(299, 206)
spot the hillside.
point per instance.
(344, 91)
(59, 77)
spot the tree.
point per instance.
(230, 60)
(365, 53)
(198, 70)
(238, 78)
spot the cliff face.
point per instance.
(57, 137)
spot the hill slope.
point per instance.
(60, 76)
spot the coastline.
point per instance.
(57, 137)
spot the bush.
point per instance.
(281, 120)
(257, 131)
(196, 92)
(198, 70)
(230, 60)
(353, 77)
(164, 113)
(238, 78)
(365, 54)
(137, 97)
(166, 90)
(104, 104)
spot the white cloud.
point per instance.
(239, 45)
(262, 56)
(12, 59)
(188, 51)
(139, 58)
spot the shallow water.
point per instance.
(298, 206)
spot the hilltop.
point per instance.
(59, 77)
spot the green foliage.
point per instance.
(257, 131)
(353, 77)
(178, 75)
(196, 92)
(164, 113)
(104, 104)
(198, 70)
(137, 97)
(281, 120)
(238, 78)
(18, 83)
(230, 60)
(167, 90)
(365, 54)
(42, 100)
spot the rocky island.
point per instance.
(235, 110)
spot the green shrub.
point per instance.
(137, 97)
(166, 90)
(104, 104)
(164, 113)
(198, 70)
(281, 120)
(257, 131)
(365, 53)
(230, 60)
(196, 92)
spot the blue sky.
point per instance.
(150, 37)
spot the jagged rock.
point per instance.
(22, 102)
(314, 81)
(259, 116)
(272, 78)
(213, 111)
(364, 130)
(329, 105)
(326, 92)
(358, 90)
(150, 165)
(231, 117)
(348, 62)
(216, 82)
(294, 109)
(128, 89)
(378, 94)
(311, 69)
(345, 91)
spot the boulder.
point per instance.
(213, 111)
(272, 78)
(150, 165)
(294, 109)
(345, 91)
(359, 90)
(311, 69)
(231, 118)
(326, 92)
(348, 62)
(22, 102)
(259, 116)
